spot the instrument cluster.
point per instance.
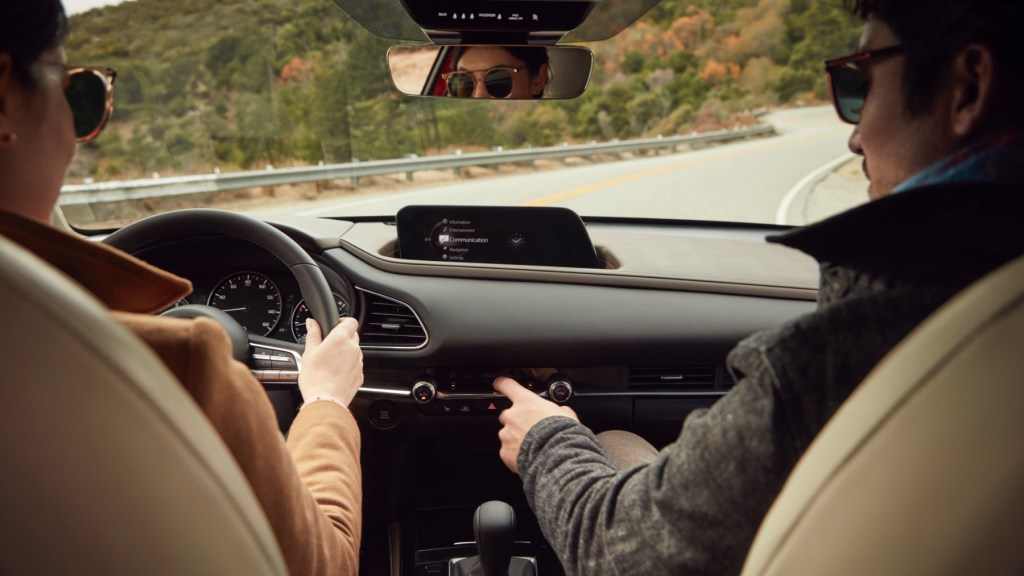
(248, 284)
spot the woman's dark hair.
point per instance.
(532, 56)
(27, 29)
(934, 31)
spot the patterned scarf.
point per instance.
(998, 158)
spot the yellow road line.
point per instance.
(545, 200)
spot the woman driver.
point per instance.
(309, 487)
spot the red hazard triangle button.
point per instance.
(491, 406)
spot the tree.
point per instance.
(632, 62)
(824, 30)
(331, 114)
(538, 126)
(648, 109)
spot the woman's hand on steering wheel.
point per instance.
(332, 366)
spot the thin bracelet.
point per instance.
(324, 398)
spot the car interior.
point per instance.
(628, 321)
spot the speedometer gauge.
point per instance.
(252, 299)
(302, 312)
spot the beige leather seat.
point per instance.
(108, 467)
(922, 470)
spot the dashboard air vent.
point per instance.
(726, 380)
(389, 323)
(672, 378)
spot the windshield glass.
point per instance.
(701, 109)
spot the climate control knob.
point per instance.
(559, 390)
(423, 391)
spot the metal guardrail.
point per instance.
(114, 191)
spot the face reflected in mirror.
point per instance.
(519, 72)
(490, 71)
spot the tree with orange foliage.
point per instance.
(715, 72)
(690, 31)
(296, 71)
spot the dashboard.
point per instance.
(634, 344)
(654, 322)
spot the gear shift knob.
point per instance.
(494, 526)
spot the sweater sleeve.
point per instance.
(693, 510)
(310, 488)
(324, 443)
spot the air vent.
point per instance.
(389, 323)
(725, 379)
(672, 378)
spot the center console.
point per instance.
(470, 391)
(431, 454)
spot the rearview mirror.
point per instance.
(491, 71)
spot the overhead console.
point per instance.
(495, 21)
(464, 18)
(541, 236)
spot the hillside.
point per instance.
(234, 84)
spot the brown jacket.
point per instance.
(310, 486)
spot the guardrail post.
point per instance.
(455, 169)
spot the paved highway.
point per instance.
(752, 181)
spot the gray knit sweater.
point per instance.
(696, 508)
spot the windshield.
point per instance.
(700, 110)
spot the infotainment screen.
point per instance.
(543, 236)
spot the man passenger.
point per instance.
(934, 94)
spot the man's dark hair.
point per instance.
(27, 29)
(934, 31)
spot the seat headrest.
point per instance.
(109, 466)
(920, 471)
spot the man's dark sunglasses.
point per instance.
(847, 81)
(497, 81)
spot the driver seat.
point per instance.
(921, 470)
(109, 467)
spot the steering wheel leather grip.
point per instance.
(183, 224)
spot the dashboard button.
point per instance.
(280, 363)
(493, 406)
(423, 391)
(383, 414)
(560, 390)
(429, 407)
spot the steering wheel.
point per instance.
(183, 224)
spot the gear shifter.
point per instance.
(494, 526)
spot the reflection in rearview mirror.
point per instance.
(491, 71)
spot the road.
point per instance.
(742, 182)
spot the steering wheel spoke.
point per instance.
(274, 361)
